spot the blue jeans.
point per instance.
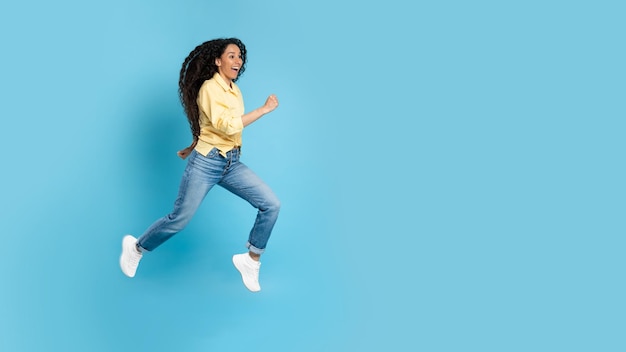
(200, 175)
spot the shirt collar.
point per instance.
(223, 84)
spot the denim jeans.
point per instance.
(200, 175)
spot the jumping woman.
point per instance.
(214, 107)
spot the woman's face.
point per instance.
(229, 64)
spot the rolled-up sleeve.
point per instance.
(223, 116)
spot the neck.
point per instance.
(227, 80)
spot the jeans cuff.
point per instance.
(253, 249)
(140, 248)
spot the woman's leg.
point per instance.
(243, 182)
(200, 175)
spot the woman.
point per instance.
(214, 107)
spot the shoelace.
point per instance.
(134, 258)
(252, 269)
(255, 273)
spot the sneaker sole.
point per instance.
(122, 256)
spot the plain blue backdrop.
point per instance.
(451, 173)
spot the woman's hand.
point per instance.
(271, 103)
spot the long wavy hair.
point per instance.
(198, 67)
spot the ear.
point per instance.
(218, 62)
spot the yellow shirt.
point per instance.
(221, 108)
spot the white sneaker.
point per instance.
(249, 270)
(129, 260)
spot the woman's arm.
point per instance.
(270, 104)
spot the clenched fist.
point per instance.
(271, 103)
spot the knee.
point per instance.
(272, 205)
(178, 221)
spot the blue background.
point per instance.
(451, 174)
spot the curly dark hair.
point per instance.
(198, 67)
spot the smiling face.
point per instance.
(229, 64)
